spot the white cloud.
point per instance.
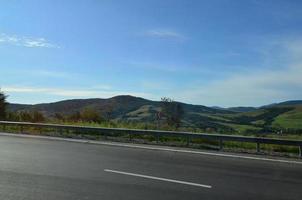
(253, 87)
(154, 85)
(29, 42)
(39, 73)
(51, 74)
(162, 33)
(70, 93)
(101, 87)
(166, 67)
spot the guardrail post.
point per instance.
(105, 136)
(258, 147)
(220, 144)
(188, 141)
(157, 136)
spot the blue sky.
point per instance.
(222, 53)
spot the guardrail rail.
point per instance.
(221, 138)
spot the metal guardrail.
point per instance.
(156, 133)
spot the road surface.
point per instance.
(36, 169)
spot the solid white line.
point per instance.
(155, 148)
(206, 153)
(158, 178)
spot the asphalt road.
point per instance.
(41, 169)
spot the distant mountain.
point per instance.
(290, 103)
(122, 107)
(236, 109)
(129, 108)
(285, 103)
(242, 109)
(250, 109)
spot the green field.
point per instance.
(291, 119)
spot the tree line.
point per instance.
(171, 113)
(3, 105)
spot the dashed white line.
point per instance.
(158, 178)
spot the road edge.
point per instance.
(156, 148)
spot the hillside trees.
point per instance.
(172, 111)
(75, 116)
(59, 117)
(24, 116)
(3, 105)
(90, 115)
(28, 116)
(37, 117)
(86, 115)
(108, 112)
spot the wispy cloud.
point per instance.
(101, 87)
(253, 87)
(70, 93)
(52, 74)
(165, 34)
(34, 73)
(30, 42)
(172, 67)
(166, 67)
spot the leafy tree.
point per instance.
(90, 115)
(25, 116)
(3, 105)
(37, 117)
(59, 116)
(12, 116)
(173, 111)
(30, 116)
(75, 117)
(107, 112)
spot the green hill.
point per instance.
(290, 120)
(286, 115)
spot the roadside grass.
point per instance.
(197, 143)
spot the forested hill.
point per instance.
(285, 115)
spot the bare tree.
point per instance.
(172, 111)
(3, 105)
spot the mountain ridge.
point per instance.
(130, 108)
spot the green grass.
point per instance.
(241, 128)
(291, 119)
(249, 114)
(213, 116)
(142, 112)
(259, 122)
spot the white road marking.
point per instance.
(158, 178)
(149, 147)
